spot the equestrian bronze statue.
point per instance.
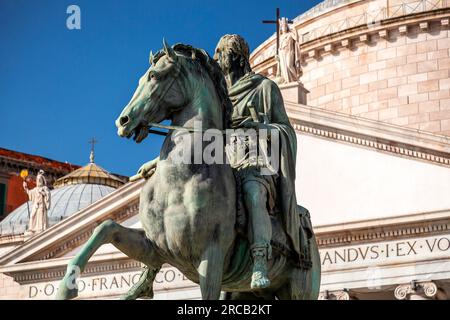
(232, 226)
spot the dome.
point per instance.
(72, 193)
(90, 173)
(65, 201)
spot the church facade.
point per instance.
(371, 110)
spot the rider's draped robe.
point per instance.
(266, 98)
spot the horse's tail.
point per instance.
(312, 283)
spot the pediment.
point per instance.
(130, 222)
(66, 236)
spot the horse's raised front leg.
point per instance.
(132, 242)
(210, 272)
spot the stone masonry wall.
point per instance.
(382, 60)
(402, 79)
(9, 290)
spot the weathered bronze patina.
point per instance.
(262, 194)
(189, 211)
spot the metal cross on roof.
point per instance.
(92, 142)
(277, 22)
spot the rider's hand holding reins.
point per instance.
(146, 170)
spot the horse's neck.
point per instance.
(204, 107)
(202, 112)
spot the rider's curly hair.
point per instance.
(235, 45)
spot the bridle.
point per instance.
(174, 76)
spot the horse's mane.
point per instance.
(212, 68)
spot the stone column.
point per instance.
(427, 290)
(335, 295)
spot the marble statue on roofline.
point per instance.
(40, 198)
(289, 69)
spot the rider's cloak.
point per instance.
(265, 96)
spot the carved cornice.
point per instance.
(371, 134)
(78, 239)
(116, 265)
(385, 146)
(348, 37)
(362, 33)
(334, 295)
(14, 166)
(383, 229)
(12, 239)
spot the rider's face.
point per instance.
(223, 56)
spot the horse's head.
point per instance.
(156, 97)
(177, 76)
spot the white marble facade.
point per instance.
(381, 216)
(377, 190)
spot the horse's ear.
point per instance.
(151, 58)
(169, 51)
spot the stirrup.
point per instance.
(261, 250)
(260, 275)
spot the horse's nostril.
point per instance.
(124, 120)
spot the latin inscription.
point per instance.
(334, 258)
(110, 284)
(386, 251)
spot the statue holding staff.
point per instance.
(289, 69)
(40, 197)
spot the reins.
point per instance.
(254, 116)
(171, 127)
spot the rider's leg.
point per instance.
(255, 199)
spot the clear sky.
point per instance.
(60, 87)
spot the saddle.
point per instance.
(280, 242)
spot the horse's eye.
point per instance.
(151, 76)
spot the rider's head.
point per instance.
(232, 51)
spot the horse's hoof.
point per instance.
(64, 293)
(259, 281)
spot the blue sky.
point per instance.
(60, 87)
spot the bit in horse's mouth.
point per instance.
(140, 133)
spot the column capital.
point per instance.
(424, 290)
(334, 295)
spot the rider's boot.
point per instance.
(260, 254)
